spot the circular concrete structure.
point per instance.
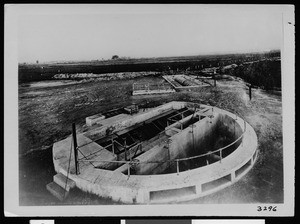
(224, 167)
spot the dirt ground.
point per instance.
(46, 112)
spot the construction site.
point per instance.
(183, 137)
(149, 107)
(174, 152)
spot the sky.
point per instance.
(85, 32)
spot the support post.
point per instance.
(232, 176)
(221, 155)
(75, 148)
(250, 92)
(169, 155)
(177, 163)
(128, 172)
(130, 158)
(198, 189)
(112, 146)
(125, 147)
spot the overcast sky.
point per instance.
(94, 32)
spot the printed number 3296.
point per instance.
(267, 208)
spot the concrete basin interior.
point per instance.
(141, 140)
(177, 151)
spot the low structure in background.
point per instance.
(184, 82)
(147, 88)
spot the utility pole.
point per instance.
(75, 148)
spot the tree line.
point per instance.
(264, 74)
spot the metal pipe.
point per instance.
(75, 148)
(119, 143)
(107, 146)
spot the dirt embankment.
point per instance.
(106, 76)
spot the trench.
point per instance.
(144, 134)
(192, 134)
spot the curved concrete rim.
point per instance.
(166, 188)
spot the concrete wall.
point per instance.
(229, 125)
(181, 146)
(184, 144)
(94, 119)
(157, 153)
(133, 120)
(205, 134)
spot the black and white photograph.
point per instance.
(146, 110)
